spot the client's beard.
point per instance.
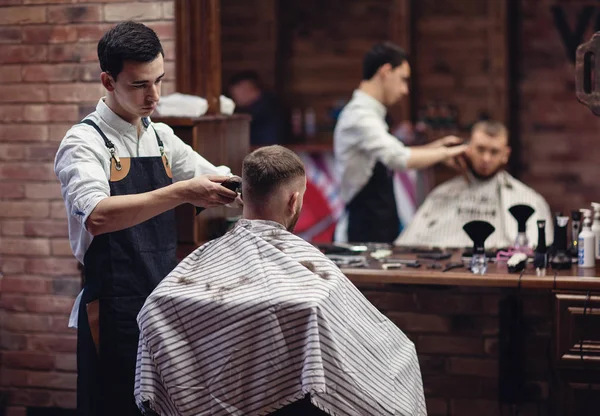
(479, 176)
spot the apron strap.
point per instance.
(107, 142)
(161, 147)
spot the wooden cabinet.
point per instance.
(577, 352)
(222, 140)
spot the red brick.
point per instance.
(24, 132)
(90, 72)
(15, 54)
(446, 303)
(66, 362)
(13, 228)
(24, 284)
(12, 264)
(31, 397)
(14, 303)
(483, 367)
(24, 209)
(74, 14)
(447, 386)
(417, 322)
(164, 30)
(61, 247)
(437, 407)
(169, 48)
(49, 34)
(132, 11)
(10, 113)
(53, 266)
(64, 112)
(27, 322)
(24, 93)
(52, 343)
(49, 1)
(39, 171)
(474, 407)
(168, 87)
(169, 10)
(12, 341)
(10, 74)
(69, 286)
(51, 72)
(75, 92)
(433, 344)
(58, 210)
(10, 34)
(391, 300)
(11, 190)
(27, 360)
(432, 364)
(14, 410)
(92, 32)
(49, 304)
(22, 15)
(64, 399)
(73, 52)
(60, 323)
(49, 190)
(58, 131)
(41, 152)
(491, 346)
(46, 228)
(60, 381)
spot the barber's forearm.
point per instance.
(119, 212)
(423, 157)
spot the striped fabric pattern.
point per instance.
(259, 318)
(440, 219)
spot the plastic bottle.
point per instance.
(596, 227)
(587, 242)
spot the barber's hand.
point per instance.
(446, 142)
(206, 191)
(456, 158)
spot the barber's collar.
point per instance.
(371, 102)
(116, 122)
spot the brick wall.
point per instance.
(455, 332)
(49, 78)
(559, 136)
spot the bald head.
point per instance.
(273, 185)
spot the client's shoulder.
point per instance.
(521, 188)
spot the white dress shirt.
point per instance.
(82, 164)
(360, 140)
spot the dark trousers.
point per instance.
(301, 407)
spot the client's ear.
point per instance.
(291, 206)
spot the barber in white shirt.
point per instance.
(121, 176)
(367, 154)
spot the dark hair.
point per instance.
(268, 167)
(127, 41)
(381, 54)
(491, 128)
(248, 75)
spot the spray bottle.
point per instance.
(596, 227)
(587, 242)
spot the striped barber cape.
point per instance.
(259, 318)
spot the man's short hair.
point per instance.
(127, 41)
(490, 128)
(265, 169)
(381, 54)
(248, 75)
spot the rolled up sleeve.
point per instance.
(82, 174)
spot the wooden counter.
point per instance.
(449, 314)
(497, 276)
